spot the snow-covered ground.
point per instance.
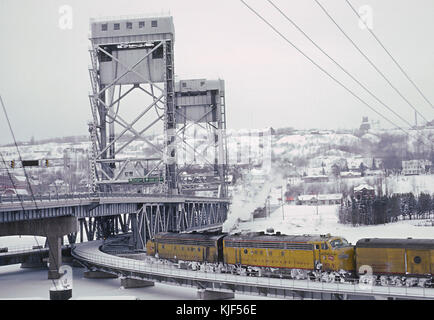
(305, 220)
(416, 184)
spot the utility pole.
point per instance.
(282, 203)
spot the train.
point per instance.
(326, 258)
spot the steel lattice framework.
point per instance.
(136, 54)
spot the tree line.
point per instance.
(385, 209)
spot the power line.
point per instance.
(321, 68)
(27, 178)
(368, 59)
(338, 64)
(390, 55)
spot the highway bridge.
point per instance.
(101, 215)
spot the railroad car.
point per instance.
(386, 258)
(289, 253)
(198, 247)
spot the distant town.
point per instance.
(317, 166)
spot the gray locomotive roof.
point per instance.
(189, 236)
(257, 236)
(395, 243)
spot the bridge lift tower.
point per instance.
(136, 55)
(200, 105)
(133, 58)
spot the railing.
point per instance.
(21, 249)
(91, 196)
(26, 249)
(95, 257)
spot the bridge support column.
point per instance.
(55, 256)
(129, 283)
(53, 229)
(205, 294)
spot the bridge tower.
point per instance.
(133, 63)
(201, 119)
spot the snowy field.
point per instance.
(305, 220)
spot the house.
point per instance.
(21, 192)
(350, 174)
(316, 178)
(8, 184)
(364, 191)
(289, 199)
(320, 199)
(415, 167)
(369, 172)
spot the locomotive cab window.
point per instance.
(324, 246)
(338, 243)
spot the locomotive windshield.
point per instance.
(339, 243)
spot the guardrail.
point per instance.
(94, 256)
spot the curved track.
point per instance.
(90, 255)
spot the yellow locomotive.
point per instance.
(198, 247)
(289, 253)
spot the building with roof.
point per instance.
(364, 191)
(320, 199)
(415, 167)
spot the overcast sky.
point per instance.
(44, 79)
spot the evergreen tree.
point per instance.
(412, 204)
(423, 204)
(394, 205)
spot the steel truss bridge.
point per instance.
(165, 188)
(104, 214)
(90, 255)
